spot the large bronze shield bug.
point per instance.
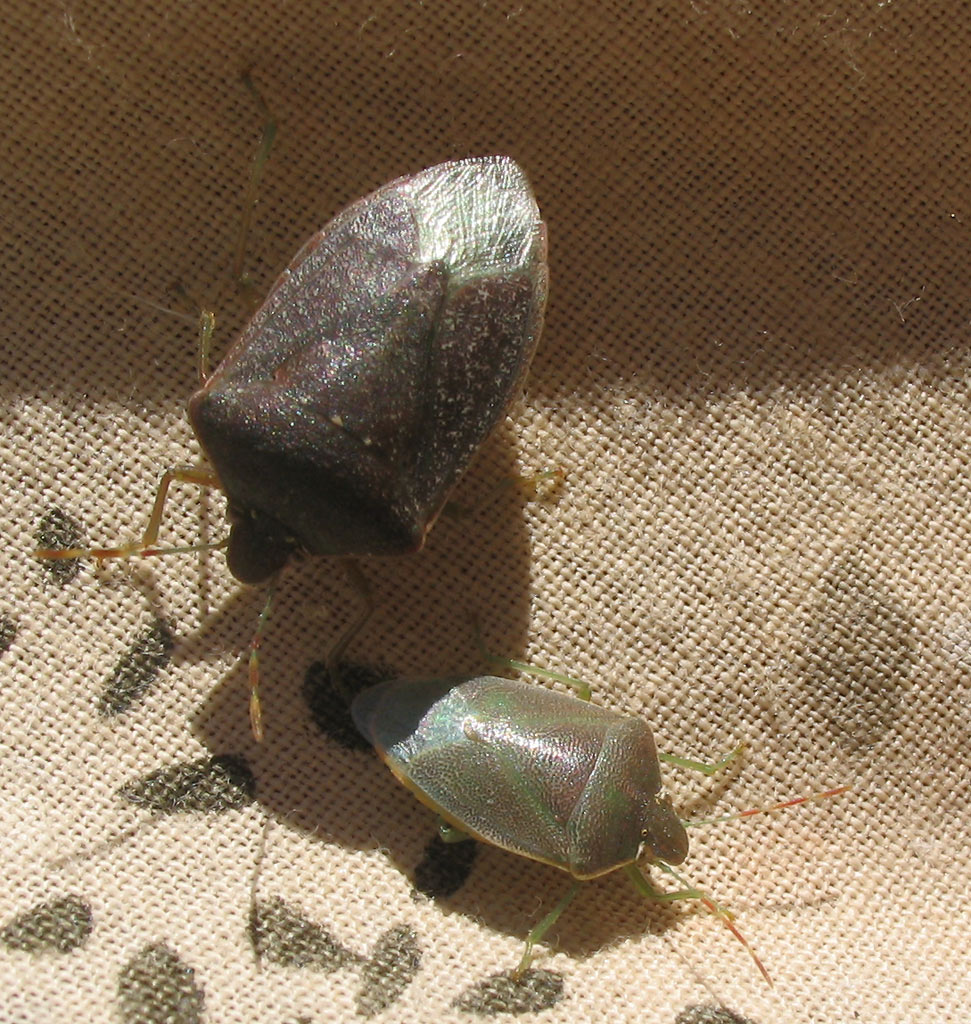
(382, 358)
(539, 773)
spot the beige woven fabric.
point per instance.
(754, 373)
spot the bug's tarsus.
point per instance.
(146, 546)
(539, 932)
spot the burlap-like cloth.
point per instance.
(755, 375)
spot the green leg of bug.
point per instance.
(582, 690)
(529, 485)
(540, 486)
(645, 888)
(579, 687)
(260, 158)
(449, 833)
(702, 766)
(643, 885)
(207, 328)
(146, 546)
(539, 932)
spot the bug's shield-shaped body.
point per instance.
(529, 769)
(381, 359)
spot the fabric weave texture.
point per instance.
(754, 375)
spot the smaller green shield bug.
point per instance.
(539, 773)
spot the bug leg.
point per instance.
(705, 767)
(538, 933)
(257, 167)
(207, 327)
(643, 885)
(359, 582)
(579, 687)
(146, 546)
(255, 707)
(646, 888)
(528, 486)
(449, 833)
(207, 319)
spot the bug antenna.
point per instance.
(768, 810)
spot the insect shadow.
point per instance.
(413, 598)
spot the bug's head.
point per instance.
(664, 837)
(258, 548)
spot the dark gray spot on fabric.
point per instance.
(137, 670)
(388, 971)
(55, 927)
(59, 530)
(505, 993)
(329, 706)
(157, 987)
(710, 1015)
(445, 867)
(8, 630)
(213, 784)
(282, 935)
(860, 657)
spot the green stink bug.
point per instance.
(554, 768)
(539, 773)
